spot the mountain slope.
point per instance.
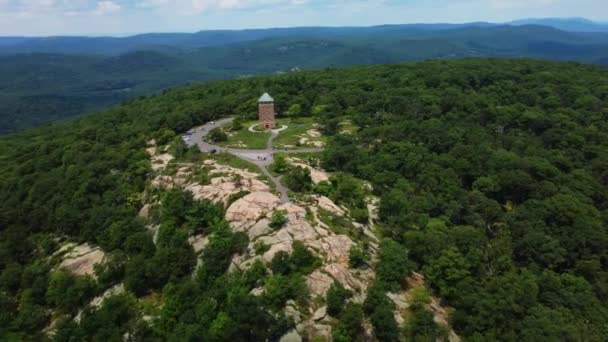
(493, 200)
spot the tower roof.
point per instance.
(266, 98)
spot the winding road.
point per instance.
(262, 158)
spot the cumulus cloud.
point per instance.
(107, 7)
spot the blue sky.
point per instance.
(119, 17)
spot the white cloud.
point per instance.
(51, 17)
(513, 4)
(107, 7)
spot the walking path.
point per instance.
(262, 158)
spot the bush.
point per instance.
(280, 164)
(357, 257)
(281, 288)
(349, 325)
(323, 188)
(280, 263)
(336, 298)
(68, 292)
(278, 219)
(421, 326)
(300, 261)
(237, 124)
(217, 135)
(360, 215)
(112, 271)
(261, 248)
(298, 179)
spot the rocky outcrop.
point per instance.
(318, 283)
(160, 161)
(316, 175)
(327, 204)
(81, 259)
(252, 207)
(198, 242)
(292, 336)
(314, 133)
(252, 215)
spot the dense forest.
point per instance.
(44, 80)
(492, 174)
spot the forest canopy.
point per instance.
(492, 175)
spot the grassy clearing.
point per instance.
(295, 131)
(246, 139)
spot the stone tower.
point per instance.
(266, 112)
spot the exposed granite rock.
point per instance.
(160, 161)
(292, 336)
(81, 259)
(327, 204)
(318, 283)
(335, 248)
(252, 207)
(320, 314)
(198, 242)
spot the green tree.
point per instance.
(336, 299)
(349, 326)
(217, 135)
(446, 272)
(280, 164)
(67, 291)
(298, 179)
(393, 264)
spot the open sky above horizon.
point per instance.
(122, 17)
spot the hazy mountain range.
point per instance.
(49, 78)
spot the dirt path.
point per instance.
(262, 158)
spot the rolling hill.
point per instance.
(40, 86)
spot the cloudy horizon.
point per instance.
(125, 17)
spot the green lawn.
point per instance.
(246, 139)
(295, 132)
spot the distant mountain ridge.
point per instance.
(161, 41)
(566, 24)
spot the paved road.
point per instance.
(262, 158)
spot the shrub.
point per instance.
(280, 164)
(217, 135)
(298, 179)
(336, 298)
(278, 219)
(357, 257)
(360, 215)
(349, 326)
